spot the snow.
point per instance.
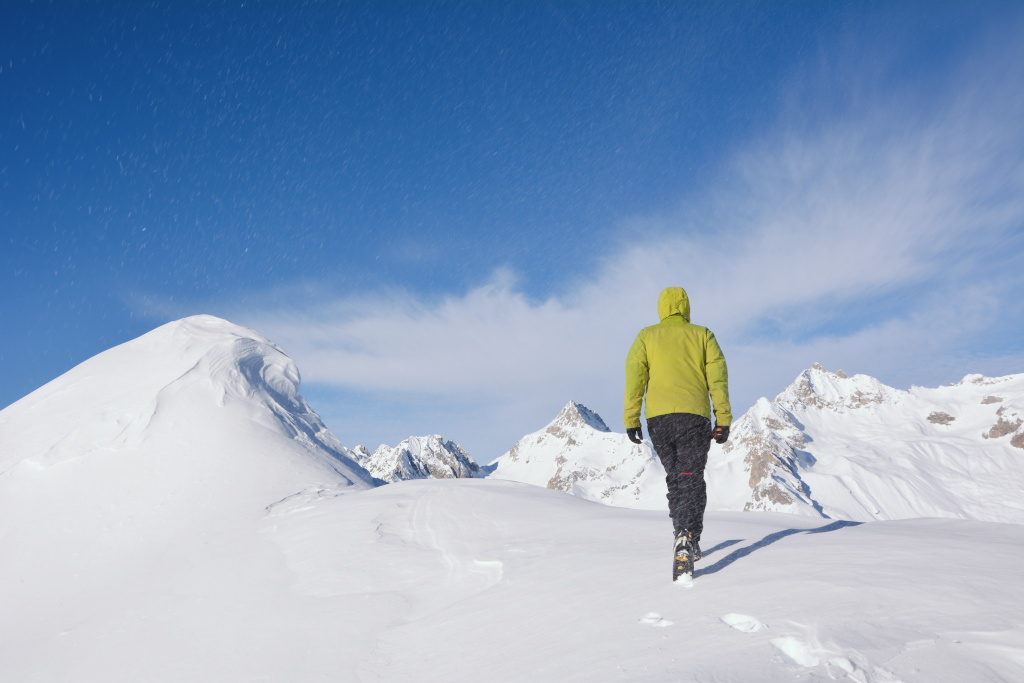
(479, 579)
(578, 454)
(827, 446)
(173, 510)
(852, 448)
(742, 622)
(419, 457)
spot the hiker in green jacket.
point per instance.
(676, 365)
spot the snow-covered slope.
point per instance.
(192, 397)
(469, 580)
(854, 448)
(578, 454)
(144, 464)
(171, 510)
(418, 457)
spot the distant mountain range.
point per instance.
(419, 457)
(829, 445)
(578, 454)
(854, 448)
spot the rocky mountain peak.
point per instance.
(575, 416)
(419, 457)
(816, 387)
(578, 454)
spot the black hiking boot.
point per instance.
(682, 562)
(697, 554)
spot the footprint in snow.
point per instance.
(742, 622)
(837, 663)
(799, 652)
(654, 619)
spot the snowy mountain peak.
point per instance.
(575, 415)
(578, 454)
(185, 386)
(854, 448)
(816, 387)
(830, 445)
(419, 457)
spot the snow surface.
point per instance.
(466, 580)
(172, 510)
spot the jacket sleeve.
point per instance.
(637, 375)
(717, 375)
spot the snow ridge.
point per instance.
(853, 448)
(829, 445)
(167, 390)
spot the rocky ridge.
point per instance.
(578, 454)
(829, 445)
(419, 457)
(854, 448)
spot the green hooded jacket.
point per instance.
(676, 364)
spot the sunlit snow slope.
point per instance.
(198, 393)
(127, 463)
(484, 580)
(854, 448)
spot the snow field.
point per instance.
(473, 580)
(173, 510)
(464, 580)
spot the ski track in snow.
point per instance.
(432, 530)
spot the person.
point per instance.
(680, 369)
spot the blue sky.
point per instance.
(455, 216)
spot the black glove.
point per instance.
(720, 434)
(635, 435)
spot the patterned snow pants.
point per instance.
(682, 441)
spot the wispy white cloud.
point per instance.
(912, 206)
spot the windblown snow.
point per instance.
(173, 510)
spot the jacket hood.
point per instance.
(673, 301)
